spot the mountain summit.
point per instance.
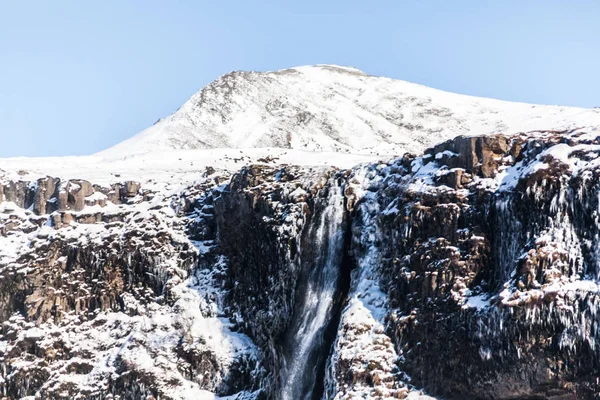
(339, 109)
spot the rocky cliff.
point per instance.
(468, 272)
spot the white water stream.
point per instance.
(300, 371)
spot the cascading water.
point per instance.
(306, 341)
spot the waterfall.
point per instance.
(306, 340)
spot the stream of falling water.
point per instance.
(307, 338)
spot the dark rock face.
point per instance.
(512, 248)
(261, 252)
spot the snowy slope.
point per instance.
(166, 170)
(339, 109)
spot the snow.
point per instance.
(418, 395)
(478, 302)
(169, 171)
(15, 242)
(96, 196)
(510, 177)
(445, 154)
(337, 109)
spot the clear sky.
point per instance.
(78, 76)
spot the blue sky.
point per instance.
(78, 76)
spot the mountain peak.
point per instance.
(336, 108)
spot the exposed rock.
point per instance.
(78, 190)
(454, 178)
(130, 189)
(470, 272)
(46, 189)
(477, 155)
(18, 192)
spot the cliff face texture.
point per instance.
(469, 272)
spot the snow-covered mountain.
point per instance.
(337, 109)
(191, 262)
